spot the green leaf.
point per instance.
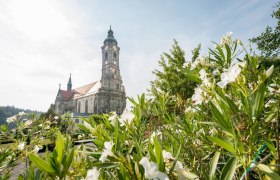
(189, 175)
(192, 76)
(41, 164)
(59, 147)
(258, 102)
(67, 163)
(151, 152)
(218, 47)
(264, 168)
(213, 165)
(222, 143)
(175, 161)
(106, 165)
(158, 153)
(221, 120)
(116, 135)
(228, 55)
(229, 169)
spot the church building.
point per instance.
(97, 97)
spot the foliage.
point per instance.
(269, 41)
(174, 78)
(57, 163)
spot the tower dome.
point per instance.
(110, 37)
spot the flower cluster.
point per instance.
(151, 170)
(226, 39)
(229, 75)
(107, 151)
(126, 118)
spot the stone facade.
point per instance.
(102, 96)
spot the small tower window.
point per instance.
(86, 106)
(106, 56)
(117, 86)
(115, 55)
(79, 107)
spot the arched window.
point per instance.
(106, 56)
(115, 55)
(79, 107)
(86, 106)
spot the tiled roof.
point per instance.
(67, 95)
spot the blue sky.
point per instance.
(42, 42)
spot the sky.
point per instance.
(43, 41)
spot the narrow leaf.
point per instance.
(41, 164)
(264, 168)
(229, 169)
(213, 165)
(158, 153)
(223, 144)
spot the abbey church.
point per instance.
(97, 97)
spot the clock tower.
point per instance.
(111, 81)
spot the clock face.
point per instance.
(115, 48)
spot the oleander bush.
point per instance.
(222, 122)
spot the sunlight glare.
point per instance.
(39, 20)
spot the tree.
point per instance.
(269, 41)
(173, 78)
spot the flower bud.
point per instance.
(269, 71)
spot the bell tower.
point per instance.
(111, 80)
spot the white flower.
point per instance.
(167, 155)
(203, 77)
(269, 71)
(190, 109)
(151, 170)
(107, 151)
(21, 146)
(21, 113)
(113, 118)
(229, 75)
(47, 127)
(126, 117)
(197, 97)
(11, 119)
(36, 149)
(93, 174)
(28, 122)
(239, 42)
(179, 166)
(226, 39)
(56, 117)
(80, 136)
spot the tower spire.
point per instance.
(69, 85)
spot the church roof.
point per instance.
(66, 95)
(86, 88)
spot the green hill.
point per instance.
(8, 111)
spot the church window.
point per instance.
(117, 86)
(79, 107)
(86, 106)
(106, 56)
(115, 55)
